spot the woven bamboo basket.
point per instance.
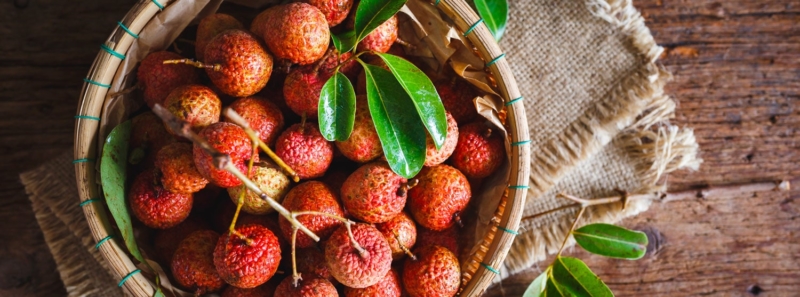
(480, 268)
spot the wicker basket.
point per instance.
(480, 267)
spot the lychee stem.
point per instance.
(237, 119)
(487, 133)
(403, 247)
(404, 43)
(240, 200)
(198, 64)
(347, 223)
(321, 61)
(296, 277)
(403, 189)
(457, 218)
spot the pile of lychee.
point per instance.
(379, 234)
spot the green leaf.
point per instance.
(571, 277)
(611, 241)
(422, 92)
(337, 108)
(536, 289)
(401, 133)
(551, 290)
(372, 13)
(345, 41)
(494, 14)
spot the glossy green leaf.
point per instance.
(337, 108)
(345, 41)
(422, 92)
(401, 132)
(372, 13)
(611, 241)
(571, 277)
(536, 288)
(551, 290)
(494, 14)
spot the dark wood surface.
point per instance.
(737, 78)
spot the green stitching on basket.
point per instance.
(490, 268)
(89, 201)
(436, 3)
(473, 27)
(160, 7)
(513, 101)
(518, 143)
(121, 25)
(87, 117)
(495, 60)
(125, 279)
(112, 52)
(518, 187)
(82, 160)
(96, 83)
(99, 243)
(508, 230)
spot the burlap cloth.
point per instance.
(597, 118)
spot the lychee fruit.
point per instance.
(245, 67)
(480, 150)
(193, 263)
(354, 268)
(335, 11)
(437, 201)
(158, 79)
(166, 241)
(265, 290)
(311, 196)
(178, 173)
(302, 88)
(348, 67)
(258, 25)
(297, 32)
(447, 238)
(311, 264)
(374, 193)
(197, 105)
(436, 157)
(389, 286)
(335, 178)
(209, 27)
(247, 263)
(307, 287)
(364, 145)
(382, 38)
(261, 115)
(271, 181)
(148, 136)
(155, 206)
(303, 148)
(228, 139)
(435, 272)
(401, 234)
(457, 96)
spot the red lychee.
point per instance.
(374, 193)
(155, 206)
(148, 136)
(245, 66)
(457, 96)
(311, 264)
(349, 266)
(297, 32)
(209, 27)
(247, 263)
(442, 193)
(350, 68)
(335, 11)
(193, 263)
(258, 25)
(400, 232)
(436, 272)
(302, 88)
(303, 148)
(382, 38)
(480, 150)
(389, 286)
(364, 145)
(310, 287)
(311, 196)
(265, 290)
(197, 105)
(447, 238)
(166, 241)
(178, 173)
(158, 79)
(263, 116)
(270, 180)
(436, 157)
(228, 139)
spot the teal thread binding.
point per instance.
(82, 160)
(436, 3)
(121, 25)
(518, 187)
(96, 83)
(509, 231)
(513, 101)
(518, 143)
(490, 268)
(89, 201)
(125, 279)
(495, 60)
(87, 117)
(112, 52)
(473, 27)
(161, 7)
(99, 243)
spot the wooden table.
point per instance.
(737, 77)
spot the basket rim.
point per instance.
(99, 79)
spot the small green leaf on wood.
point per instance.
(536, 288)
(611, 241)
(494, 14)
(372, 13)
(402, 133)
(345, 41)
(571, 277)
(337, 108)
(424, 95)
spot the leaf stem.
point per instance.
(574, 223)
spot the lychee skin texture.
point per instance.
(476, 155)
(457, 99)
(270, 180)
(302, 88)
(158, 79)
(305, 150)
(370, 193)
(263, 117)
(350, 268)
(149, 135)
(436, 157)
(307, 287)
(178, 173)
(245, 65)
(259, 23)
(287, 39)
(197, 105)
(311, 264)
(193, 263)
(311, 196)
(400, 230)
(228, 139)
(166, 241)
(335, 11)
(247, 266)
(382, 38)
(265, 290)
(350, 68)
(155, 206)
(447, 238)
(435, 273)
(210, 27)
(389, 286)
(442, 193)
(364, 145)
